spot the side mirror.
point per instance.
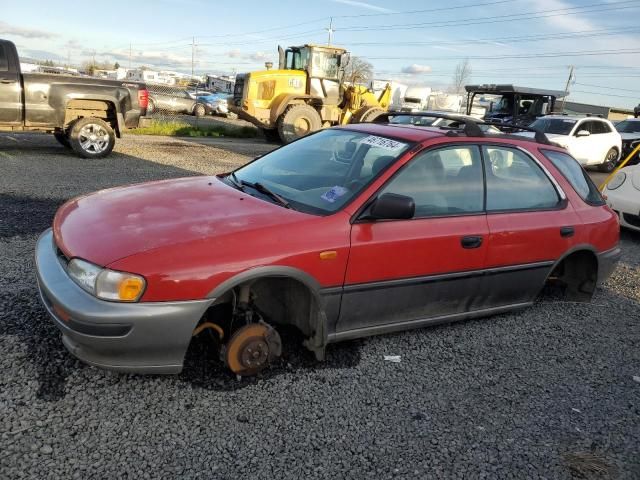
(392, 206)
(583, 133)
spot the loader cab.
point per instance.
(324, 66)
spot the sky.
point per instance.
(419, 42)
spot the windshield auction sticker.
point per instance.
(382, 142)
(333, 194)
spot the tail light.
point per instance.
(143, 98)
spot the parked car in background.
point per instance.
(381, 228)
(630, 132)
(168, 99)
(593, 141)
(84, 114)
(623, 196)
(215, 104)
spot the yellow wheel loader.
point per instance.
(306, 93)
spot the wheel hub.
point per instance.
(252, 348)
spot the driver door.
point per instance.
(404, 272)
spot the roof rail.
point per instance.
(470, 129)
(540, 137)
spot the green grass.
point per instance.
(182, 129)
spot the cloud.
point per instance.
(448, 49)
(366, 5)
(6, 29)
(260, 56)
(256, 56)
(147, 57)
(73, 44)
(415, 69)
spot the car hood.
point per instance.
(109, 225)
(630, 136)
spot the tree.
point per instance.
(358, 70)
(116, 66)
(461, 77)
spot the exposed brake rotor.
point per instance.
(251, 348)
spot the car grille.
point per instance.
(631, 219)
(238, 89)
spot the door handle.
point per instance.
(567, 232)
(7, 80)
(472, 241)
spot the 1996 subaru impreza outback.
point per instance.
(348, 232)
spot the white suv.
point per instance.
(590, 140)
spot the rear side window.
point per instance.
(4, 62)
(516, 182)
(599, 127)
(576, 176)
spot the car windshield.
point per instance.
(628, 127)
(558, 126)
(321, 173)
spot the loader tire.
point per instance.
(271, 134)
(298, 121)
(367, 114)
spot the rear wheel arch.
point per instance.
(104, 109)
(576, 272)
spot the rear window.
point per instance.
(4, 63)
(576, 176)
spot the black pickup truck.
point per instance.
(84, 114)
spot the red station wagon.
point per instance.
(352, 231)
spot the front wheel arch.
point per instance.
(313, 324)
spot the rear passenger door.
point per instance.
(531, 225)
(404, 271)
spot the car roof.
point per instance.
(574, 117)
(418, 134)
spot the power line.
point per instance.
(430, 10)
(507, 40)
(604, 94)
(609, 88)
(510, 57)
(498, 18)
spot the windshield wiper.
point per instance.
(263, 189)
(236, 183)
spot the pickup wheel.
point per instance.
(62, 138)
(92, 138)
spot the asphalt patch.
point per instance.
(22, 215)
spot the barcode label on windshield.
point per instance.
(383, 143)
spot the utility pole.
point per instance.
(193, 54)
(566, 87)
(330, 30)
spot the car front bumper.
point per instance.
(625, 202)
(149, 337)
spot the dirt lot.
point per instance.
(548, 392)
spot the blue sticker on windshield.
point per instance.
(333, 194)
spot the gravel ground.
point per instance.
(544, 393)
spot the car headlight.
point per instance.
(104, 283)
(617, 181)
